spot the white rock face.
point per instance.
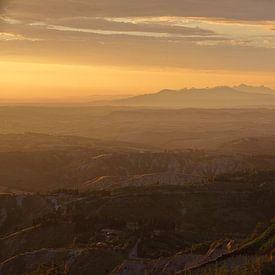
(55, 202)
(19, 200)
(166, 169)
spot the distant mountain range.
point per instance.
(223, 96)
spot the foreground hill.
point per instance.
(218, 97)
(161, 229)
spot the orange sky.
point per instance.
(26, 80)
(130, 47)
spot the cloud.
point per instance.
(2, 4)
(135, 18)
(233, 9)
(214, 19)
(15, 37)
(114, 24)
(209, 34)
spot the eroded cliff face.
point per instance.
(169, 169)
(48, 170)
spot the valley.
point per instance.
(70, 204)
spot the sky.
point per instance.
(75, 48)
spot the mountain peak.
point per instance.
(254, 89)
(213, 97)
(166, 91)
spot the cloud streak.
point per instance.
(161, 40)
(234, 9)
(209, 34)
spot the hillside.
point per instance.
(135, 128)
(47, 162)
(50, 162)
(162, 228)
(142, 199)
(250, 145)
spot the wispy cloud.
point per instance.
(2, 4)
(16, 37)
(235, 9)
(144, 32)
(202, 33)
(201, 30)
(231, 32)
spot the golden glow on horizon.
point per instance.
(89, 47)
(26, 80)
